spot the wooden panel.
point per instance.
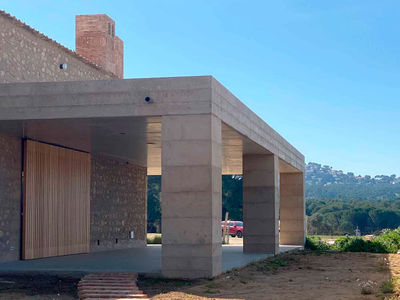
(56, 201)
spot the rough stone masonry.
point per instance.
(29, 56)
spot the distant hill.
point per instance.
(337, 202)
(323, 182)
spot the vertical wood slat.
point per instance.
(56, 201)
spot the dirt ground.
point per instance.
(232, 240)
(299, 275)
(38, 286)
(296, 275)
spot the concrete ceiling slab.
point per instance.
(134, 139)
(112, 116)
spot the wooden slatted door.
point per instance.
(56, 206)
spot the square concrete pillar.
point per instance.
(260, 203)
(292, 209)
(191, 196)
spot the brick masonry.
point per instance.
(118, 204)
(28, 56)
(96, 40)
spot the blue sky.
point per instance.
(324, 74)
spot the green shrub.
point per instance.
(387, 287)
(316, 244)
(356, 244)
(388, 241)
(154, 240)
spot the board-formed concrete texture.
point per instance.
(125, 98)
(292, 209)
(191, 130)
(191, 195)
(261, 203)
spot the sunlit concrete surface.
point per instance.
(141, 260)
(191, 131)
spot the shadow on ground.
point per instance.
(35, 285)
(297, 275)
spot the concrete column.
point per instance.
(260, 203)
(292, 209)
(191, 196)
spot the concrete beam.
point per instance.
(191, 196)
(260, 203)
(292, 212)
(125, 98)
(236, 114)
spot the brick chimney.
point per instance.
(95, 40)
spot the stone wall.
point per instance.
(118, 204)
(27, 55)
(10, 197)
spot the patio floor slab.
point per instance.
(140, 260)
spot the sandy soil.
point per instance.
(235, 241)
(232, 240)
(297, 275)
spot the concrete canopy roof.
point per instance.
(111, 117)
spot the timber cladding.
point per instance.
(28, 56)
(56, 213)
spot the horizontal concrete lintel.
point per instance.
(125, 97)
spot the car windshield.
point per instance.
(239, 224)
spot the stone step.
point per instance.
(113, 274)
(107, 288)
(102, 290)
(113, 277)
(114, 296)
(109, 281)
(115, 284)
(110, 286)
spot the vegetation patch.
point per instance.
(388, 241)
(314, 243)
(154, 239)
(387, 287)
(366, 291)
(270, 264)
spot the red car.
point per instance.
(235, 228)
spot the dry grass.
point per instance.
(299, 275)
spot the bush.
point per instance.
(156, 239)
(356, 244)
(389, 238)
(387, 287)
(316, 244)
(387, 241)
